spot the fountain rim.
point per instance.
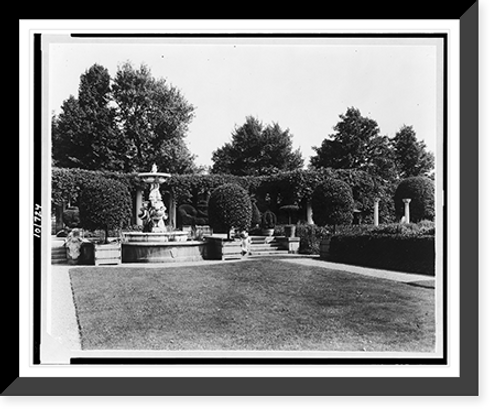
(154, 174)
(152, 177)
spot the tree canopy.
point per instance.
(125, 124)
(85, 134)
(357, 144)
(257, 150)
(154, 119)
(411, 157)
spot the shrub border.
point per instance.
(399, 252)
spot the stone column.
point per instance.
(375, 212)
(309, 212)
(172, 211)
(407, 209)
(138, 204)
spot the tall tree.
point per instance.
(99, 124)
(380, 159)
(125, 124)
(256, 150)
(153, 117)
(348, 146)
(411, 157)
(84, 134)
(67, 145)
(356, 143)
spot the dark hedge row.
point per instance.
(311, 235)
(269, 192)
(67, 184)
(414, 253)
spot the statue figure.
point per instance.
(73, 244)
(153, 213)
(154, 194)
(158, 214)
(245, 242)
(144, 216)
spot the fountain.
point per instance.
(153, 214)
(158, 242)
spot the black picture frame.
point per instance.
(466, 384)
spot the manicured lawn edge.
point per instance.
(251, 305)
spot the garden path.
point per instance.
(369, 272)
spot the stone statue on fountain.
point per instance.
(154, 213)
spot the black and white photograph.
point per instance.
(259, 198)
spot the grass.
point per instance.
(249, 305)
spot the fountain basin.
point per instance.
(161, 237)
(163, 252)
(162, 247)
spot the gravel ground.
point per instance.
(63, 325)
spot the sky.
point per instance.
(304, 85)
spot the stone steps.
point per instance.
(266, 246)
(58, 255)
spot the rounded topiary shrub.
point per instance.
(229, 206)
(421, 192)
(104, 204)
(332, 203)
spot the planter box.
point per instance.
(293, 244)
(222, 249)
(108, 254)
(86, 253)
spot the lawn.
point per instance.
(260, 304)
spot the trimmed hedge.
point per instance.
(68, 183)
(398, 247)
(229, 206)
(403, 252)
(421, 192)
(104, 204)
(271, 192)
(332, 203)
